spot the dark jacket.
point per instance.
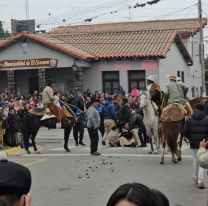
(156, 98)
(125, 113)
(117, 107)
(109, 111)
(196, 128)
(14, 123)
(121, 91)
(80, 117)
(206, 108)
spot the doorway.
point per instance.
(33, 84)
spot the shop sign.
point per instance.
(46, 62)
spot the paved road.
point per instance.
(77, 179)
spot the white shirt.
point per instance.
(56, 102)
(148, 88)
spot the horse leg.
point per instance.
(67, 132)
(174, 159)
(180, 145)
(156, 140)
(34, 134)
(149, 134)
(164, 145)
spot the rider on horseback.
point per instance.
(48, 99)
(176, 91)
(154, 92)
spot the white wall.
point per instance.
(36, 50)
(93, 76)
(175, 62)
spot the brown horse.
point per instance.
(170, 133)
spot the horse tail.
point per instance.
(171, 135)
(26, 131)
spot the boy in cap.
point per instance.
(15, 183)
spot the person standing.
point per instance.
(121, 91)
(135, 92)
(79, 128)
(100, 110)
(195, 130)
(110, 117)
(93, 124)
(125, 112)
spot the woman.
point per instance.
(12, 136)
(135, 194)
(128, 139)
(11, 102)
(16, 106)
(135, 92)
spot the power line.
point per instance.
(70, 4)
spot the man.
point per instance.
(125, 112)
(121, 91)
(15, 183)
(72, 95)
(154, 92)
(5, 109)
(79, 128)
(176, 91)
(100, 110)
(48, 99)
(202, 155)
(117, 106)
(195, 130)
(93, 123)
(35, 94)
(119, 99)
(110, 117)
(205, 102)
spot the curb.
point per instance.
(13, 150)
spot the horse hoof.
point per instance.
(161, 162)
(38, 152)
(150, 152)
(175, 161)
(179, 159)
(28, 152)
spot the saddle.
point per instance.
(46, 113)
(173, 112)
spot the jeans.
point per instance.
(94, 139)
(142, 131)
(78, 128)
(199, 172)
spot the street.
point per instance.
(77, 178)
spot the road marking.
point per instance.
(61, 148)
(115, 155)
(32, 163)
(88, 148)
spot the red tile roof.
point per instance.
(186, 27)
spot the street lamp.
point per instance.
(74, 67)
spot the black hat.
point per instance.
(125, 100)
(50, 81)
(94, 100)
(110, 99)
(14, 178)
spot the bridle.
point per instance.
(145, 105)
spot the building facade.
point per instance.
(107, 56)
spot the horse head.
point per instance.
(143, 100)
(78, 102)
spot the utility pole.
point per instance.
(27, 9)
(202, 49)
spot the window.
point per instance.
(178, 73)
(110, 82)
(182, 76)
(137, 79)
(193, 92)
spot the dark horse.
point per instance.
(32, 123)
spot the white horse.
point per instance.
(151, 121)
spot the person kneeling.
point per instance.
(128, 139)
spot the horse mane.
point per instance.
(70, 100)
(143, 92)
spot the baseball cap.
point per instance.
(3, 104)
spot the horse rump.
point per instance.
(171, 131)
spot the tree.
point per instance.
(3, 34)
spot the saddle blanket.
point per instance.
(173, 112)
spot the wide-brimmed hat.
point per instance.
(94, 100)
(173, 76)
(151, 78)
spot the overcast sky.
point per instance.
(75, 12)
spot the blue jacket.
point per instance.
(80, 117)
(100, 110)
(121, 91)
(109, 111)
(206, 108)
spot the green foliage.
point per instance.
(3, 34)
